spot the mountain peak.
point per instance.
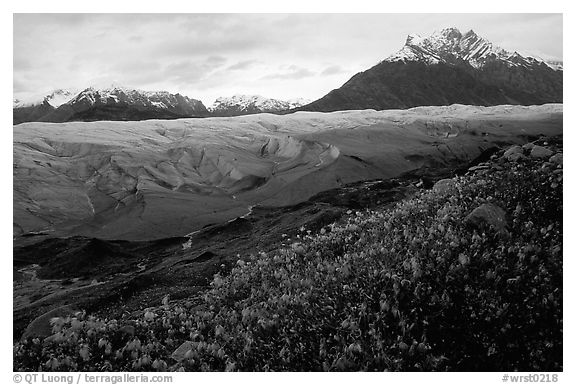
(451, 33)
(413, 39)
(54, 98)
(450, 46)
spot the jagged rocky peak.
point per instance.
(451, 46)
(120, 94)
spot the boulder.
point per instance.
(515, 157)
(540, 152)
(557, 158)
(41, 327)
(180, 353)
(445, 185)
(513, 151)
(488, 213)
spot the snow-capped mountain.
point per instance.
(55, 98)
(33, 107)
(117, 103)
(252, 104)
(445, 68)
(451, 46)
(134, 97)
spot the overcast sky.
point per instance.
(209, 55)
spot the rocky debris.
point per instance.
(180, 353)
(540, 152)
(41, 327)
(488, 213)
(515, 153)
(445, 185)
(548, 165)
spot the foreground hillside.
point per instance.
(465, 276)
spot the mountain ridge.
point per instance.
(109, 103)
(117, 102)
(445, 68)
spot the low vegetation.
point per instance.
(418, 286)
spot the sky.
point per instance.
(205, 56)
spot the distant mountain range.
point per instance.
(445, 68)
(121, 103)
(113, 103)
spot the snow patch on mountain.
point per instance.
(297, 102)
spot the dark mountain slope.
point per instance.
(391, 85)
(31, 113)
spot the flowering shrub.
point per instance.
(408, 288)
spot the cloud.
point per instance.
(189, 72)
(21, 64)
(205, 45)
(332, 70)
(136, 38)
(216, 61)
(242, 65)
(19, 85)
(293, 72)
